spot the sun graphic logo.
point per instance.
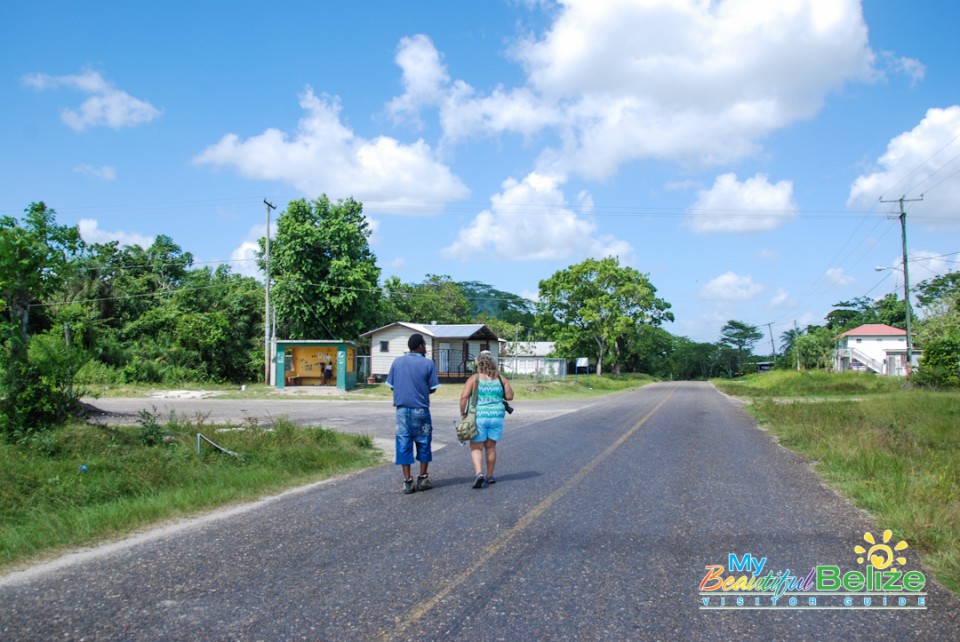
(880, 555)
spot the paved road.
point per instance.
(600, 528)
(374, 418)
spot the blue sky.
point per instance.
(735, 151)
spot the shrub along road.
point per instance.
(601, 526)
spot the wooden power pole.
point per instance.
(906, 275)
(266, 305)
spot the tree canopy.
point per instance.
(436, 298)
(34, 260)
(325, 277)
(938, 332)
(587, 307)
(741, 337)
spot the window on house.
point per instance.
(859, 340)
(384, 346)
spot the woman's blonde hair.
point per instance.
(486, 364)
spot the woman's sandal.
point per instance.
(478, 482)
(491, 480)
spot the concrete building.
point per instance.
(874, 347)
(453, 348)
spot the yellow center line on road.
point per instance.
(517, 528)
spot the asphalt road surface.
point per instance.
(601, 527)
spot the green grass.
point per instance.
(789, 383)
(895, 452)
(48, 503)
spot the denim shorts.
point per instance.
(413, 427)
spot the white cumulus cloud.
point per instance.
(424, 76)
(837, 277)
(243, 259)
(923, 161)
(910, 67)
(90, 232)
(325, 156)
(782, 301)
(754, 205)
(531, 220)
(106, 107)
(685, 80)
(730, 286)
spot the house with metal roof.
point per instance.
(874, 347)
(453, 347)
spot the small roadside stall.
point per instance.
(317, 363)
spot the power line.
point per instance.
(920, 166)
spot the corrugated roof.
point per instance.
(456, 331)
(875, 330)
(441, 331)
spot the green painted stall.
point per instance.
(316, 363)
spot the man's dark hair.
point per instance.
(415, 341)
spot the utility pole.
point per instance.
(906, 274)
(796, 351)
(266, 310)
(772, 345)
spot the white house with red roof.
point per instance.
(874, 347)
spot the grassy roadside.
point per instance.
(83, 483)
(894, 451)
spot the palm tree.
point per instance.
(788, 338)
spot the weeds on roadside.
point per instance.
(790, 383)
(896, 454)
(81, 483)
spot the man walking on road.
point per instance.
(413, 378)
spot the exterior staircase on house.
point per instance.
(870, 362)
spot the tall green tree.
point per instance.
(120, 285)
(850, 314)
(815, 348)
(944, 287)
(741, 337)
(691, 360)
(34, 259)
(586, 307)
(208, 329)
(938, 331)
(325, 277)
(648, 350)
(940, 298)
(436, 298)
(789, 338)
(891, 311)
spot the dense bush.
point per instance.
(940, 365)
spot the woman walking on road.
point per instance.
(492, 391)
